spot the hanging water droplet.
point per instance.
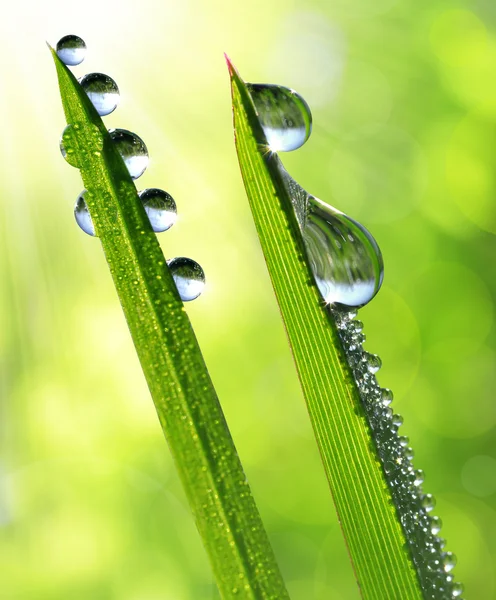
(374, 362)
(132, 149)
(419, 477)
(344, 257)
(188, 276)
(428, 502)
(386, 396)
(71, 50)
(102, 91)
(436, 525)
(449, 561)
(284, 115)
(457, 589)
(82, 214)
(160, 208)
(397, 420)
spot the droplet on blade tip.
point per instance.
(71, 50)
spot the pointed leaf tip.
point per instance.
(230, 66)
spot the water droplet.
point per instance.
(82, 214)
(419, 477)
(449, 561)
(374, 362)
(386, 396)
(457, 589)
(71, 50)
(344, 257)
(284, 115)
(160, 208)
(132, 149)
(102, 91)
(78, 140)
(69, 147)
(436, 525)
(428, 502)
(397, 421)
(188, 276)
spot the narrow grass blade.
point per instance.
(185, 399)
(373, 533)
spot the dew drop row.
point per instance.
(347, 266)
(159, 205)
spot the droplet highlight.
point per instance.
(102, 92)
(132, 150)
(82, 214)
(188, 276)
(71, 50)
(284, 115)
(160, 208)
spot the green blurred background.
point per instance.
(403, 95)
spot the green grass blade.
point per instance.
(373, 534)
(185, 399)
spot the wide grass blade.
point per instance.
(368, 517)
(185, 399)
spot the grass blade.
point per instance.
(185, 399)
(373, 533)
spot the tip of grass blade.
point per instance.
(232, 69)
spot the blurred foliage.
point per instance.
(404, 102)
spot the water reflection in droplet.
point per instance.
(188, 276)
(102, 91)
(71, 50)
(284, 115)
(132, 149)
(82, 214)
(160, 208)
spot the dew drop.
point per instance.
(344, 257)
(132, 150)
(188, 276)
(77, 140)
(457, 589)
(71, 50)
(102, 91)
(69, 147)
(82, 214)
(428, 502)
(436, 525)
(374, 362)
(284, 115)
(419, 477)
(449, 561)
(160, 208)
(386, 396)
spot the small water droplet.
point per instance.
(457, 589)
(374, 362)
(71, 50)
(132, 150)
(77, 140)
(188, 276)
(82, 214)
(102, 91)
(428, 502)
(419, 477)
(284, 115)
(160, 208)
(436, 525)
(397, 420)
(449, 561)
(386, 396)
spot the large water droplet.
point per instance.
(71, 50)
(284, 115)
(160, 208)
(436, 525)
(457, 589)
(102, 91)
(69, 147)
(449, 561)
(344, 257)
(82, 214)
(188, 276)
(132, 149)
